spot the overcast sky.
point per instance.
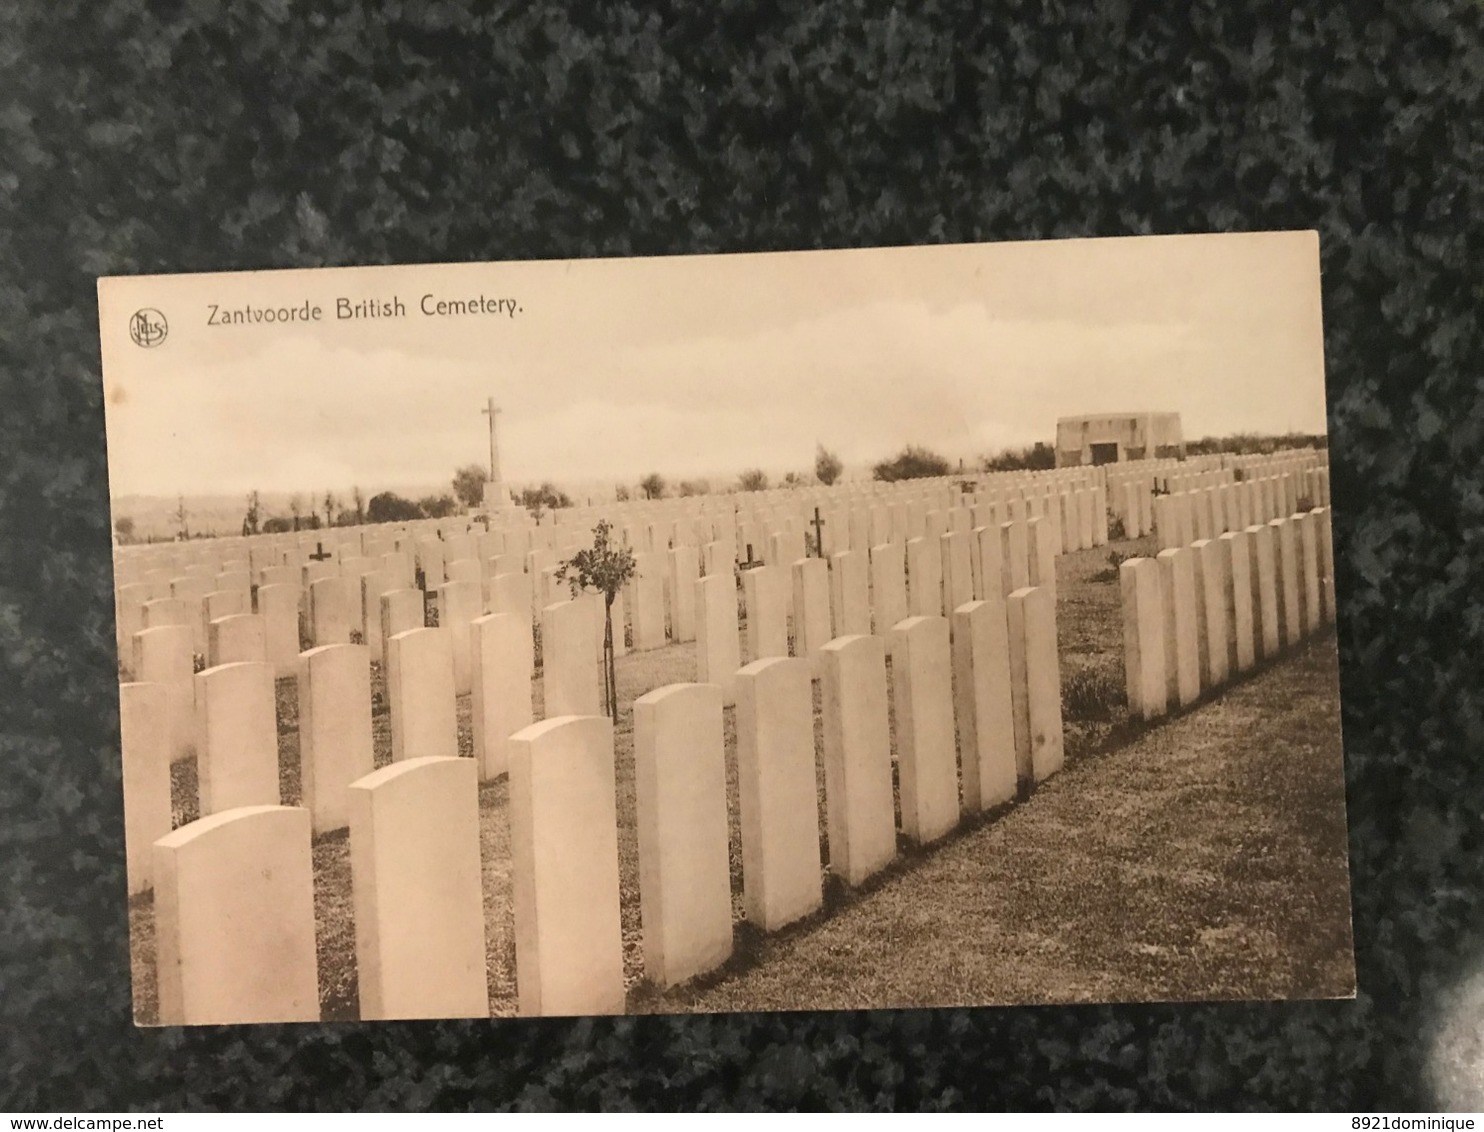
(706, 365)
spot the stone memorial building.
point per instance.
(1110, 438)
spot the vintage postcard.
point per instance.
(895, 627)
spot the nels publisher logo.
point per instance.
(148, 327)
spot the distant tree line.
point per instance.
(1038, 457)
(1251, 444)
(911, 463)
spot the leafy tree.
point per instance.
(827, 466)
(604, 567)
(545, 496)
(793, 479)
(468, 485)
(1038, 457)
(124, 526)
(621, 494)
(754, 479)
(182, 528)
(277, 525)
(653, 486)
(254, 511)
(437, 506)
(331, 506)
(910, 464)
(360, 504)
(389, 507)
(296, 508)
(694, 487)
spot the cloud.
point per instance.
(705, 367)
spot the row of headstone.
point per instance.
(226, 714)
(853, 593)
(992, 694)
(340, 575)
(1183, 517)
(1195, 616)
(431, 546)
(234, 905)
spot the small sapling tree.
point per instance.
(603, 567)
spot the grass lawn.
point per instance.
(1203, 858)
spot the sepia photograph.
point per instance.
(875, 628)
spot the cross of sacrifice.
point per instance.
(491, 411)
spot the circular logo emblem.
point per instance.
(148, 327)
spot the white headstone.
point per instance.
(684, 573)
(958, 572)
(564, 864)
(143, 734)
(1263, 547)
(1213, 585)
(570, 676)
(766, 590)
(850, 593)
(1289, 584)
(1035, 670)
(1041, 556)
(888, 587)
(922, 693)
(1182, 638)
(776, 792)
(860, 811)
(420, 696)
(1143, 638)
(418, 890)
(1308, 548)
(924, 577)
(329, 612)
(335, 746)
(649, 602)
(983, 705)
(718, 639)
(235, 637)
(237, 737)
(988, 563)
(163, 656)
(811, 601)
(234, 919)
(459, 603)
(401, 610)
(502, 657)
(681, 800)
(1237, 568)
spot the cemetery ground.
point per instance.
(1200, 857)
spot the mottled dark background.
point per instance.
(182, 137)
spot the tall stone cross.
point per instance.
(493, 413)
(818, 525)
